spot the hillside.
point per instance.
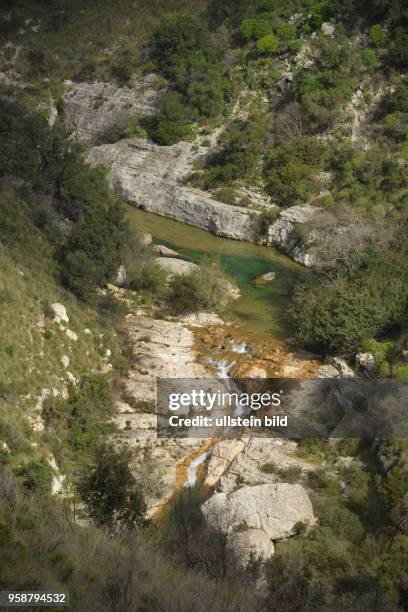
(282, 126)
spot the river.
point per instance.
(260, 310)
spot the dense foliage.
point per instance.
(57, 184)
(337, 312)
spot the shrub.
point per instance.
(205, 288)
(110, 492)
(36, 476)
(402, 373)
(267, 44)
(148, 276)
(379, 36)
(286, 32)
(255, 29)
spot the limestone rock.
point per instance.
(342, 367)
(60, 313)
(163, 251)
(146, 239)
(150, 177)
(273, 508)
(366, 362)
(327, 371)
(328, 28)
(121, 276)
(265, 279)
(176, 266)
(284, 234)
(252, 543)
(223, 453)
(71, 335)
(65, 361)
(94, 108)
(248, 466)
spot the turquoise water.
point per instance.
(261, 310)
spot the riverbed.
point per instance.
(261, 310)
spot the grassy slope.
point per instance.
(30, 353)
(82, 33)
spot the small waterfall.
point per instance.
(223, 368)
(241, 348)
(192, 468)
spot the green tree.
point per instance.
(110, 493)
(36, 476)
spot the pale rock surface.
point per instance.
(93, 108)
(247, 466)
(163, 251)
(65, 361)
(366, 362)
(223, 453)
(176, 266)
(71, 335)
(342, 367)
(328, 28)
(60, 313)
(273, 508)
(150, 177)
(283, 233)
(252, 543)
(160, 349)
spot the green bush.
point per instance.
(109, 491)
(267, 44)
(338, 313)
(206, 288)
(36, 476)
(379, 35)
(148, 276)
(255, 29)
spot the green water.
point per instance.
(260, 310)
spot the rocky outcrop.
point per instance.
(248, 466)
(223, 453)
(93, 108)
(250, 544)
(160, 349)
(175, 266)
(285, 235)
(163, 251)
(151, 177)
(272, 509)
(60, 313)
(366, 363)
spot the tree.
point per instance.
(267, 44)
(109, 490)
(36, 476)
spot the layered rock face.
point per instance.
(93, 108)
(284, 233)
(150, 177)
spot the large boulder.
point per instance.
(176, 266)
(252, 543)
(273, 508)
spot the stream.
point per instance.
(260, 310)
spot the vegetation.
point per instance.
(304, 113)
(205, 288)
